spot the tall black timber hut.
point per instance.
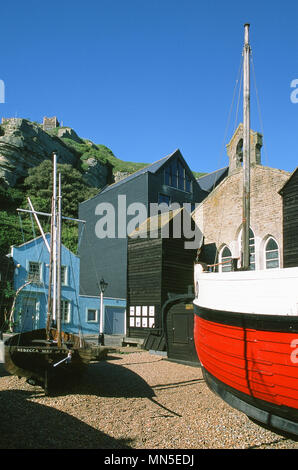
(169, 180)
(289, 193)
(159, 277)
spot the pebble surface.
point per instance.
(133, 400)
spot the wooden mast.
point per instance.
(59, 341)
(49, 313)
(246, 151)
(54, 218)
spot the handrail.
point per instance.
(222, 262)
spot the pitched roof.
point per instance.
(209, 181)
(38, 239)
(152, 168)
(288, 180)
(154, 223)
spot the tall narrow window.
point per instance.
(175, 175)
(226, 259)
(65, 311)
(168, 176)
(271, 254)
(252, 257)
(181, 177)
(64, 275)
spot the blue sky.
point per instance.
(146, 77)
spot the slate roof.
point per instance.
(152, 168)
(211, 180)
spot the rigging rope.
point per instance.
(273, 184)
(239, 95)
(80, 237)
(21, 226)
(76, 295)
(238, 80)
(259, 109)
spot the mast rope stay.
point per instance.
(220, 213)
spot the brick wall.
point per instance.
(219, 216)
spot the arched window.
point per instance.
(239, 152)
(271, 254)
(252, 257)
(226, 258)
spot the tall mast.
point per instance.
(54, 219)
(59, 263)
(49, 313)
(246, 150)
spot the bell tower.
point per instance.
(235, 149)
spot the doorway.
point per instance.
(114, 320)
(180, 333)
(28, 314)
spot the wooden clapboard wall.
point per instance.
(289, 194)
(155, 268)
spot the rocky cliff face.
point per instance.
(97, 175)
(24, 144)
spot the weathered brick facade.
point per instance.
(219, 216)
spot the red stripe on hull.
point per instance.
(257, 363)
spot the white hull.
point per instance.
(266, 292)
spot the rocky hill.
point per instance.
(25, 167)
(25, 144)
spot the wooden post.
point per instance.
(59, 342)
(246, 150)
(54, 218)
(49, 312)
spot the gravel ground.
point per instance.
(131, 401)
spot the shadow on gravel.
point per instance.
(28, 425)
(285, 435)
(105, 379)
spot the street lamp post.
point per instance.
(102, 285)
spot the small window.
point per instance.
(64, 275)
(271, 254)
(65, 311)
(187, 184)
(226, 259)
(34, 272)
(91, 315)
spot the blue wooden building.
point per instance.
(79, 312)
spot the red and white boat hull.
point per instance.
(250, 359)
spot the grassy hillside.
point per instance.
(38, 186)
(87, 149)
